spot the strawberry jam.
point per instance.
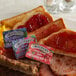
(35, 22)
(65, 41)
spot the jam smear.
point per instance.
(63, 41)
(35, 22)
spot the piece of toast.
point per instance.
(18, 20)
(60, 66)
(63, 65)
(63, 42)
(50, 28)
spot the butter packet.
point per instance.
(11, 35)
(39, 52)
(20, 46)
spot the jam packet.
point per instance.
(20, 46)
(39, 52)
(11, 35)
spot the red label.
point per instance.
(39, 52)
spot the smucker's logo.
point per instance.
(14, 33)
(43, 49)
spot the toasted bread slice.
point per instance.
(63, 65)
(48, 29)
(18, 20)
(63, 41)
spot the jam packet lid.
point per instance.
(20, 46)
(11, 35)
(39, 52)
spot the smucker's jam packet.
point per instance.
(39, 52)
(11, 35)
(20, 46)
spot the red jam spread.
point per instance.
(63, 41)
(35, 22)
